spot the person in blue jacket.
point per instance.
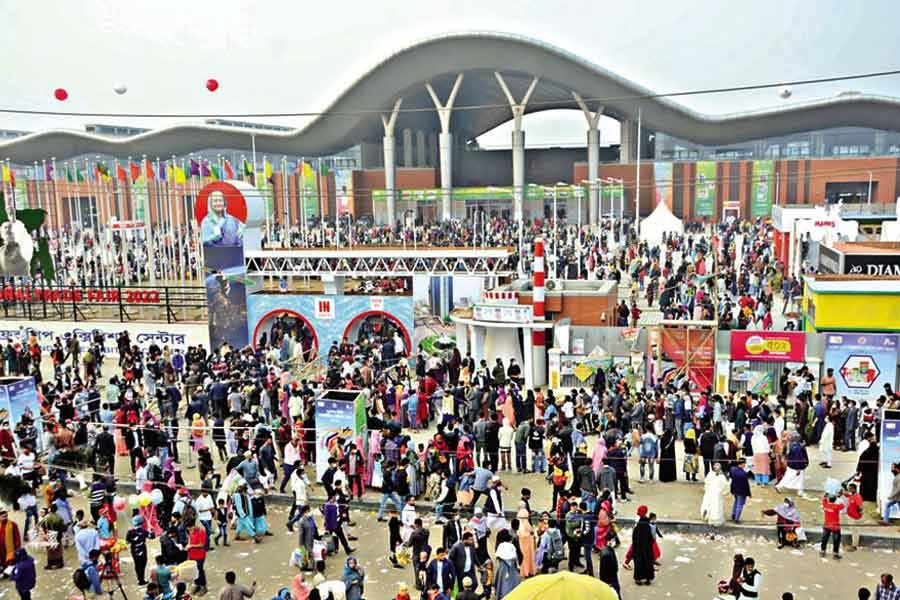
(23, 573)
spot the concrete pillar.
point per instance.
(444, 110)
(628, 143)
(518, 164)
(462, 338)
(478, 339)
(446, 153)
(528, 356)
(390, 161)
(421, 149)
(593, 144)
(333, 285)
(432, 149)
(539, 362)
(407, 148)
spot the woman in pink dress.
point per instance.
(526, 542)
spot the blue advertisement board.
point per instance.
(337, 422)
(21, 398)
(888, 455)
(863, 363)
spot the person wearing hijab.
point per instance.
(667, 466)
(218, 228)
(598, 456)
(243, 509)
(797, 461)
(786, 523)
(826, 444)
(354, 579)
(691, 460)
(299, 589)
(867, 467)
(506, 577)
(526, 542)
(642, 548)
(759, 443)
(715, 488)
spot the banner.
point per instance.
(692, 352)
(863, 363)
(340, 419)
(140, 199)
(761, 191)
(475, 194)
(768, 345)
(888, 455)
(662, 174)
(705, 192)
(309, 191)
(177, 336)
(760, 382)
(19, 398)
(343, 191)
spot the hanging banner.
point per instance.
(768, 345)
(692, 352)
(309, 190)
(705, 192)
(662, 174)
(140, 199)
(343, 191)
(761, 192)
(863, 363)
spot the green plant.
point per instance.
(33, 218)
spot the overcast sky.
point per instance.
(297, 56)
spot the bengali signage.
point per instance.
(762, 188)
(768, 345)
(705, 189)
(175, 335)
(503, 313)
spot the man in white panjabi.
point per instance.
(715, 488)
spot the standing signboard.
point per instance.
(863, 363)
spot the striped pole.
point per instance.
(538, 341)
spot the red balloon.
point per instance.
(212, 85)
(60, 94)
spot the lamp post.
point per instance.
(621, 182)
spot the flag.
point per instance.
(48, 171)
(204, 169)
(148, 170)
(135, 170)
(164, 172)
(69, 177)
(195, 168)
(248, 170)
(229, 172)
(7, 174)
(215, 173)
(179, 175)
(267, 166)
(101, 171)
(323, 170)
(121, 174)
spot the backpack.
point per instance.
(559, 477)
(557, 552)
(80, 579)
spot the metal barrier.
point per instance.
(162, 303)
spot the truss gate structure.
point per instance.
(382, 262)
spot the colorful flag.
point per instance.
(215, 173)
(267, 166)
(229, 172)
(248, 170)
(323, 169)
(7, 174)
(164, 172)
(135, 171)
(204, 169)
(194, 168)
(121, 174)
(101, 171)
(69, 176)
(179, 175)
(148, 170)
(48, 171)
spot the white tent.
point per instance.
(660, 221)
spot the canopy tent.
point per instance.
(660, 221)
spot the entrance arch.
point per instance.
(269, 316)
(355, 322)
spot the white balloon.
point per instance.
(120, 88)
(785, 92)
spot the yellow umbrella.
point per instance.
(563, 585)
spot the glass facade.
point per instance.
(840, 142)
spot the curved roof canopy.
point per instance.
(349, 119)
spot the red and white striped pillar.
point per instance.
(538, 341)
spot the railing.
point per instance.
(869, 210)
(164, 303)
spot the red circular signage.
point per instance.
(235, 204)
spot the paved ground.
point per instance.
(692, 564)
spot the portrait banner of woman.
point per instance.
(218, 227)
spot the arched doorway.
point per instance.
(377, 322)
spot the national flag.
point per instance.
(215, 173)
(204, 169)
(135, 170)
(48, 171)
(194, 168)
(102, 171)
(323, 170)
(121, 174)
(267, 167)
(148, 170)
(164, 172)
(229, 172)
(179, 175)
(7, 174)
(248, 169)
(69, 177)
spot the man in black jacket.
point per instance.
(105, 450)
(708, 441)
(464, 558)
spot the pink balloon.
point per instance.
(60, 94)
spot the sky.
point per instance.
(289, 56)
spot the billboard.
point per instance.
(691, 351)
(705, 191)
(343, 191)
(863, 363)
(338, 422)
(662, 174)
(787, 346)
(19, 397)
(888, 455)
(762, 189)
(309, 190)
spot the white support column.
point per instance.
(518, 143)
(421, 149)
(593, 143)
(478, 338)
(390, 169)
(445, 142)
(407, 148)
(462, 338)
(528, 358)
